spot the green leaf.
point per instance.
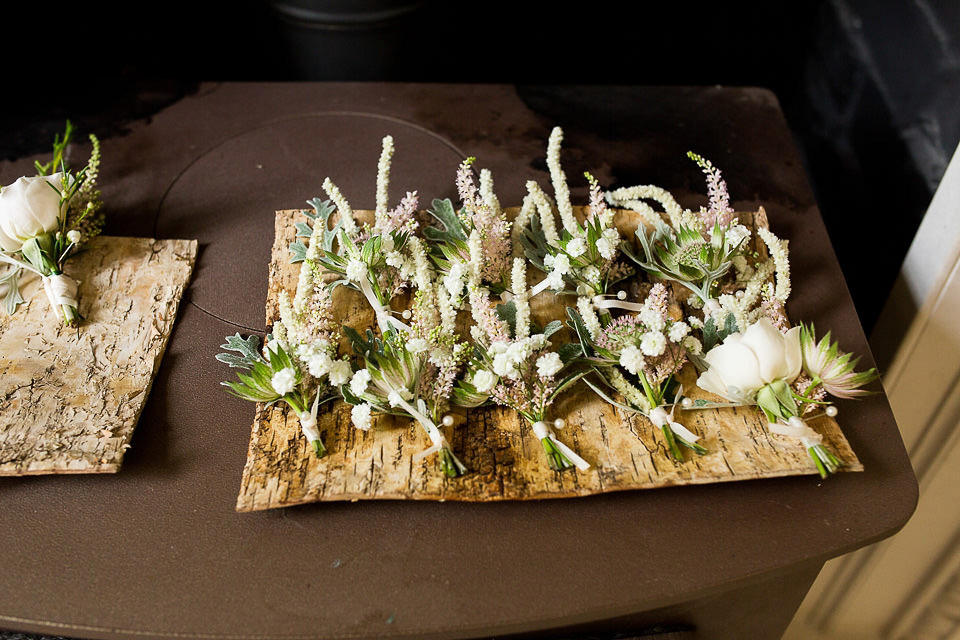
(730, 326)
(552, 327)
(567, 382)
(304, 230)
(508, 313)
(13, 298)
(249, 350)
(298, 252)
(576, 323)
(569, 352)
(451, 229)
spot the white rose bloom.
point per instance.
(549, 364)
(356, 270)
(360, 416)
(28, 208)
(577, 247)
(653, 343)
(284, 381)
(631, 359)
(359, 382)
(484, 381)
(745, 362)
(678, 330)
(340, 372)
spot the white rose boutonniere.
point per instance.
(745, 367)
(42, 220)
(29, 208)
(788, 375)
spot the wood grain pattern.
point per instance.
(505, 458)
(70, 398)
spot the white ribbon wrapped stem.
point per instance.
(542, 430)
(436, 436)
(308, 421)
(660, 418)
(384, 319)
(796, 428)
(539, 287)
(600, 302)
(61, 291)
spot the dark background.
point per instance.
(870, 88)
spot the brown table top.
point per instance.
(157, 550)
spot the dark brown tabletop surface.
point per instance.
(157, 550)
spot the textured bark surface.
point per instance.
(504, 457)
(70, 397)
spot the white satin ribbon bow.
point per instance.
(796, 427)
(660, 418)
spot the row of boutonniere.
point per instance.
(696, 293)
(43, 220)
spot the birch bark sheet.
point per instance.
(504, 458)
(70, 397)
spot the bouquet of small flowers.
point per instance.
(513, 366)
(637, 356)
(453, 326)
(43, 221)
(582, 258)
(707, 252)
(411, 370)
(788, 376)
(299, 360)
(748, 354)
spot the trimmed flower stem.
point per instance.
(672, 443)
(827, 463)
(452, 467)
(307, 428)
(555, 457)
(656, 400)
(698, 449)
